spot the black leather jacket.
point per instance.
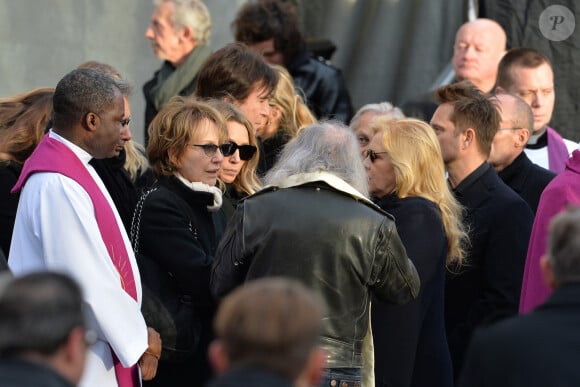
(322, 85)
(342, 247)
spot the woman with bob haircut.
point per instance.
(238, 171)
(407, 179)
(178, 226)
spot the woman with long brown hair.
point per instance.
(23, 121)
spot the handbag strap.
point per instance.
(136, 221)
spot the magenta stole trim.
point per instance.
(53, 156)
(557, 151)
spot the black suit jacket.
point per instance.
(527, 179)
(16, 372)
(538, 349)
(488, 285)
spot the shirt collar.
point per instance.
(328, 178)
(538, 141)
(82, 154)
(471, 178)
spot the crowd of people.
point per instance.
(266, 234)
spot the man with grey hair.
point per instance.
(540, 348)
(363, 118)
(60, 187)
(43, 335)
(507, 154)
(179, 32)
(314, 223)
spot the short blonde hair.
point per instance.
(135, 162)
(173, 128)
(416, 157)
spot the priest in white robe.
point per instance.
(66, 221)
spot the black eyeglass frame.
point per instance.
(246, 151)
(372, 155)
(226, 149)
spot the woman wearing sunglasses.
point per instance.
(175, 231)
(407, 179)
(238, 171)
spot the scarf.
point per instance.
(171, 81)
(201, 187)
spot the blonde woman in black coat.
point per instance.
(407, 179)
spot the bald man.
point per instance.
(507, 154)
(479, 46)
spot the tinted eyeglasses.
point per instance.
(371, 154)
(246, 151)
(210, 150)
(126, 121)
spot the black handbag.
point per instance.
(164, 307)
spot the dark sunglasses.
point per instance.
(210, 150)
(371, 154)
(246, 151)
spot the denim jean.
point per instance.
(341, 377)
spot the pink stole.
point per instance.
(53, 156)
(563, 191)
(557, 151)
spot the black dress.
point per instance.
(409, 340)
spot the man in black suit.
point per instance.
(499, 221)
(540, 348)
(507, 154)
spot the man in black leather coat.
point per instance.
(271, 28)
(314, 223)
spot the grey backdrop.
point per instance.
(387, 49)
